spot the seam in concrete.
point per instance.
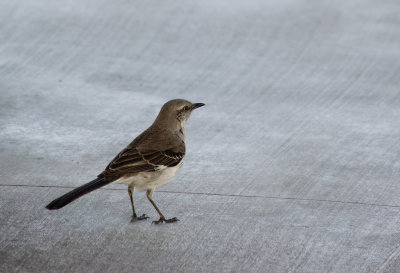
(224, 195)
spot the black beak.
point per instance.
(197, 105)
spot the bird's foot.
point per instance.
(142, 217)
(163, 220)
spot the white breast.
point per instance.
(151, 180)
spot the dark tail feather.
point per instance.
(76, 193)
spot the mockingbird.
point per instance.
(149, 161)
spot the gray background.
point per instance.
(293, 165)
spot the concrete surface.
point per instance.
(293, 165)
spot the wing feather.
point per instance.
(130, 161)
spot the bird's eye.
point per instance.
(185, 108)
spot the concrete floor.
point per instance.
(293, 165)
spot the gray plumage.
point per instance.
(149, 161)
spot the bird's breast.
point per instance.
(150, 180)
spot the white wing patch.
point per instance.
(178, 156)
(160, 167)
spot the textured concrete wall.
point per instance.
(293, 165)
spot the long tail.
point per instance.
(76, 193)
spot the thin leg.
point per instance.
(162, 219)
(134, 216)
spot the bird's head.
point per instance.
(176, 112)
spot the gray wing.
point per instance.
(131, 161)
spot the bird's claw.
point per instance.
(142, 217)
(162, 220)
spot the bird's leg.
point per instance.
(134, 216)
(162, 219)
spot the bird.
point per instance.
(151, 160)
